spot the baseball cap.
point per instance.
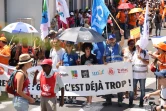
(71, 13)
(112, 36)
(3, 39)
(162, 73)
(47, 62)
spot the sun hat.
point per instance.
(25, 58)
(161, 45)
(3, 39)
(46, 62)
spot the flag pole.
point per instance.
(106, 31)
(115, 21)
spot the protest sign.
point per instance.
(84, 80)
(135, 33)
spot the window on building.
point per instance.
(75, 4)
(71, 5)
(89, 3)
(83, 4)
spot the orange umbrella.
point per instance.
(135, 10)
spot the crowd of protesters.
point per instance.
(54, 53)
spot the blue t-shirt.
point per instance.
(98, 50)
(69, 59)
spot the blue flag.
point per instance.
(100, 15)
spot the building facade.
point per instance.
(2, 13)
(30, 11)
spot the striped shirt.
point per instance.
(139, 68)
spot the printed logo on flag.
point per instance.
(2, 70)
(74, 74)
(31, 28)
(10, 71)
(111, 71)
(85, 73)
(99, 72)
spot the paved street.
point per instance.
(97, 101)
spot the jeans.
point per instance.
(158, 27)
(109, 97)
(142, 87)
(20, 103)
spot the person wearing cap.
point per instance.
(21, 82)
(50, 82)
(71, 20)
(70, 58)
(88, 59)
(140, 61)
(4, 51)
(161, 93)
(56, 52)
(128, 53)
(113, 53)
(160, 55)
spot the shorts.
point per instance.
(20, 103)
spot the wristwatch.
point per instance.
(162, 107)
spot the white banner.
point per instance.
(84, 80)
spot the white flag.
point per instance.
(63, 10)
(45, 22)
(144, 38)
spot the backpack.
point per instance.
(9, 88)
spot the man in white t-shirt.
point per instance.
(56, 52)
(140, 63)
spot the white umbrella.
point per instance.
(19, 27)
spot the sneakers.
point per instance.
(130, 104)
(67, 100)
(74, 101)
(84, 103)
(87, 105)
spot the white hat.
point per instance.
(138, 43)
(25, 58)
(71, 13)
